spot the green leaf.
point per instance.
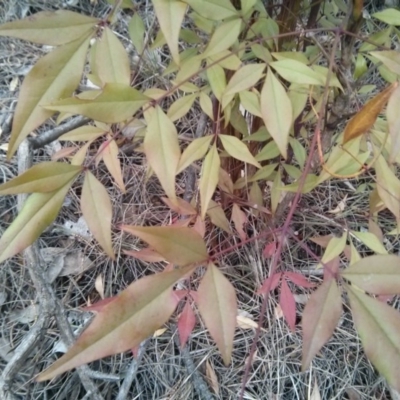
(52, 28)
(296, 72)
(110, 158)
(276, 110)
(217, 80)
(213, 9)
(124, 323)
(97, 211)
(136, 32)
(83, 133)
(224, 37)
(195, 151)
(216, 299)
(244, 78)
(218, 217)
(390, 16)
(388, 186)
(170, 15)
(180, 246)
(116, 103)
(320, 317)
(162, 148)
(38, 212)
(378, 274)
(393, 119)
(181, 107)
(389, 58)
(335, 247)
(111, 60)
(209, 178)
(42, 178)
(206, 105)
(251, 102)
(370, 240)
(237, 149)
(55, 75)
(378, 326)
(268, 152)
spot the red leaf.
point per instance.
(299, 279)
(288, 305)
(147, 254)
(272, 286)
(186, 323)
(320, 317)
(269, 250)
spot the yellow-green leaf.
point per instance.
(390, 16)
(276, 110)
(53, 28)
(296, 72)
(111, 60)
(178, 245)
(136, 313)
(366, 117)
(181, 107)
(251, 102)
(320, 317)
(218, 217)
(116, 103)
(170, 15)
(269, 151)
(224, 37)
(378, 326)
(195, 151)
(335, 247)
(370, 240)
(162, 148)
(209, 178)
(388, 186)
(276, 192)
(110, 158)
(217, 80)
(38, 212)
(237, 149)
(378, 274)
(216, 299)
(389, 58)
(83, 133)
(206, 105)
(244, 78)
(136, 32)
(213, 9)
(54, 76)
(393, 119)
(45, 177)
(97, 211)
